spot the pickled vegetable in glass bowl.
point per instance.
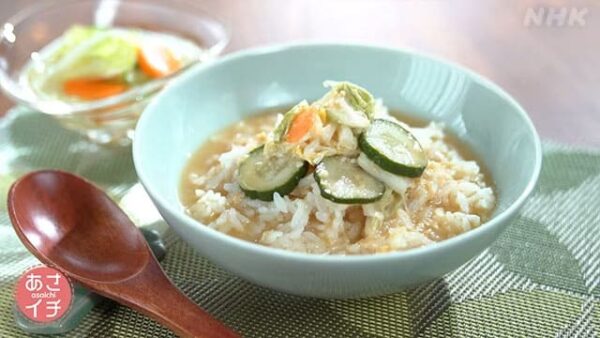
(88, 63)
(95, 65)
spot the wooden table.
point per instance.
(545, 53)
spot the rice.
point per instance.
(451, 197)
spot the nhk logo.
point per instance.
(555, 17)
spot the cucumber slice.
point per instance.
(260, 176)
(393, 148)
(341, 180)
(397, 183)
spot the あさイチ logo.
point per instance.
(43, 294)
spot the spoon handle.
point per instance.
(153, 294)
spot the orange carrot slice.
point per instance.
(301, 125)
(157, 61)
(93, 89)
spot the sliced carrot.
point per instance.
(157, 61)
(93, 89)
(301, 125)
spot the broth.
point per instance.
(453, 195)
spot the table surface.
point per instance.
(552, 68)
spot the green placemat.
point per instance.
(540, 279)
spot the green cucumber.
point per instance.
(393, 148)
(261, 175)
(341, 180)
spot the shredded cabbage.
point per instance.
(357, 97)
(348, 104)
(88, 52)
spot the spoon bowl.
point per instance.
(68, 223)
(65, 210)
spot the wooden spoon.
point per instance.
(68, 223)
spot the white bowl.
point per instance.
(213, 96)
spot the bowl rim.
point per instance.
(450, 243)
(60, 108)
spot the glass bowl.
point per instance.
(110, 120)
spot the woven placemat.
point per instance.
(540, 279)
